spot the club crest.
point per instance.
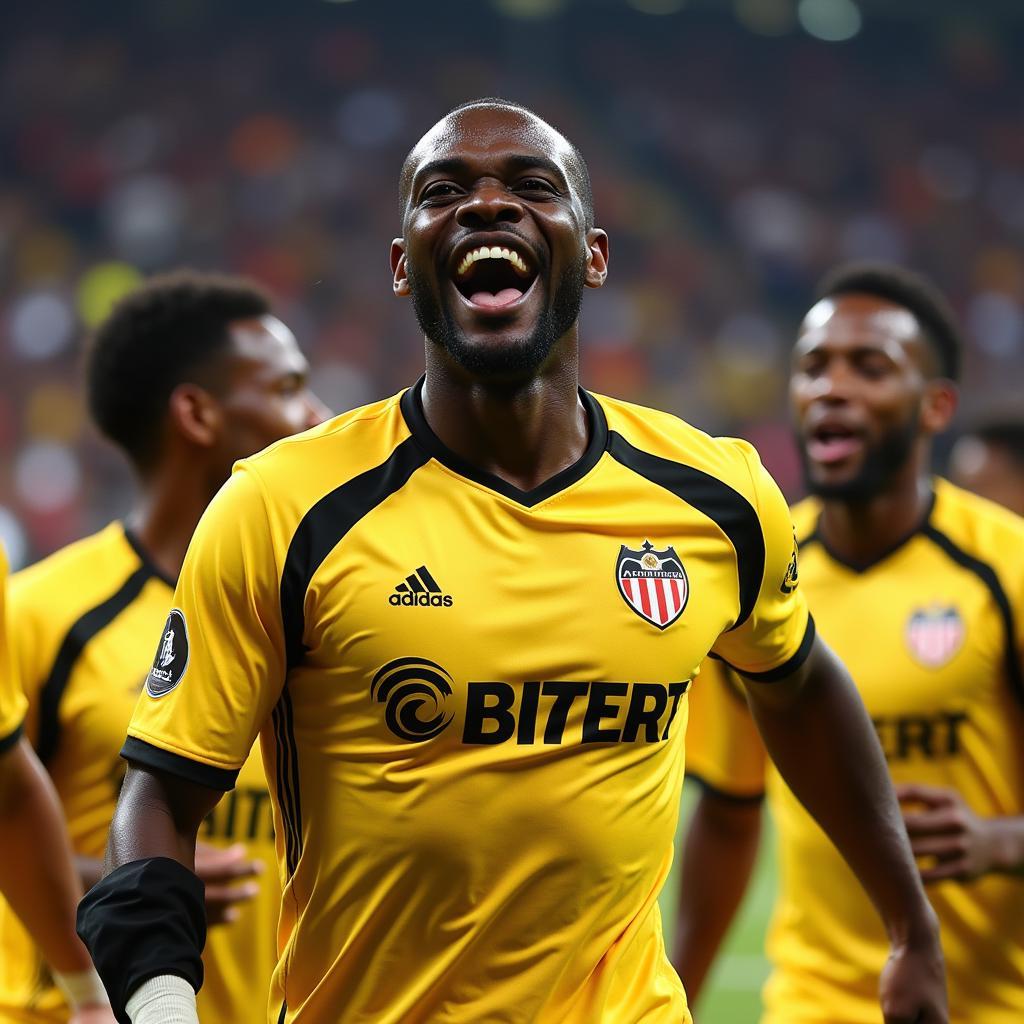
(934, 635)
(653, 583)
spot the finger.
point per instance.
(918, 792)
(927, 823)
(228, 871)
(943, 847)
(954, 869)
(230, 894)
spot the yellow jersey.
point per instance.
(932, 635)
(83, 622)
(12, 700)
(472, 701)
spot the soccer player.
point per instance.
(919, 587)
(464, 621)
(189, 373)
(37, 874)
(989, 460)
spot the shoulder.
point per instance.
(636, 431)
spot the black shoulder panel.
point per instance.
(717, 500)
(987, 575)
(326, 523)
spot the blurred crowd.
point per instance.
(731, 170)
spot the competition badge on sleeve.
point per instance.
(653, 583)
(171, 656)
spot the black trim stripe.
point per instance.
(143, 554)
(12, 738)
(326, 523)
(733, 514)
(149, 756)
(988, 576)
(754, 799)
(287, 777)
(81, 632)
(284, 1012)
(416, 420)
(788, 667)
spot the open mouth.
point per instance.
(830, 443)
(494, 276)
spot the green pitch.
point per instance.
(733, 992)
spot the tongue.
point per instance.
(494, 301)
(833, 449)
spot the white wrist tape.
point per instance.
(166, 999)
(82, 988)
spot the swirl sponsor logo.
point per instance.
(414, 692)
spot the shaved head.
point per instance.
(560, 148)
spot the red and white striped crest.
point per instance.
(653, 583)
(934, 635)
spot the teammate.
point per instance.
(188, 374)
(989, 460)
(36, 870)
(919, 586)
(464, 620)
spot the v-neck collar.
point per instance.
(143, 555)
(412, 410)
(815, 536)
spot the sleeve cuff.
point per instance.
(11, 738)
(721, 794)
(788, 667)
(149, 756)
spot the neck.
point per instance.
(524, 432)
(166, 516)
(862, 532)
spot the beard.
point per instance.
(882, 461)
(518, 357)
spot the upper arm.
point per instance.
(776, 636)
(220, 662)
(12, 699)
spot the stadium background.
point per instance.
(738, 148)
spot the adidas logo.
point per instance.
(420, 590)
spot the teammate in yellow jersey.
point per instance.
(988, 459)
(919, 586)
(37, 872)
(188, 374)
(464, 621)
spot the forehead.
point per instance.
(488, 134)
(265, 339)
(859, 321)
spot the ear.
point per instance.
(195, 415)
(400, 283)
(941, 399)
(597, 258)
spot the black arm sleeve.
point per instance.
(144, 919)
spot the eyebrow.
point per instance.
(457, 166)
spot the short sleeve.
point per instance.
(724, 751)
(219, 665)
(12, 700)
(776, 636)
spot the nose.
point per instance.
(489, 203)
(833, 384)
(316, 411)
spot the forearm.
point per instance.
(823, 743)
(721, 843)
(37, 874)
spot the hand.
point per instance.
(93, 1015)
(912, 989)
(964, 846)
(222, 870)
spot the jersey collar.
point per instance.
(412, 411)
(143, 555)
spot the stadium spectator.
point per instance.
(989, 460)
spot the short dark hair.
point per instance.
(913, 292)
(173, 326)
(578, 166)
(1007, 434)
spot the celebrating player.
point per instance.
(919, 587)
(188, 374)
(37, 874)
(477, 785)
(989, 460)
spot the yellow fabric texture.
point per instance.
(56, 599)
(928, 646)
(476, 790)
(12, 700)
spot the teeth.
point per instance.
(492, 252)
